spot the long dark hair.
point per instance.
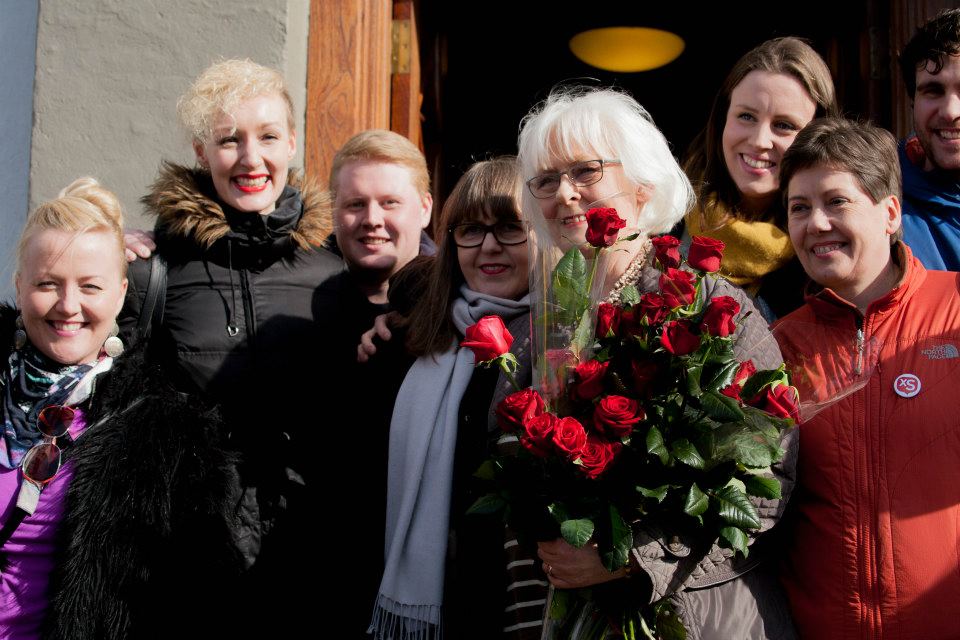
(490, 188)
(705, 164)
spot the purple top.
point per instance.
(30, 550)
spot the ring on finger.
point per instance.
(549, 569)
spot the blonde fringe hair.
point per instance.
(83, 205)
(380, 145)
(221, 88)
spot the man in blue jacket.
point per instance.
(930, 159)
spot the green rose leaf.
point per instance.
(684, 451)
(488, 504)
(487, 470)
(693, 380)
(559, 512)
(583, 336)
(669, 626)
(697, 502)
(723, 377)
(655, 445)
(657, 494)
(629, 295)
(761, 379)
(570, 285)
(735, 507)
(577, 532)
(721, 407)
(763, 487)
(736, 538)
(622, 537)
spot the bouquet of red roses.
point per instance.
(645, 415)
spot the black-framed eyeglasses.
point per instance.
(581, 174)
(42, 462)
(467, 235)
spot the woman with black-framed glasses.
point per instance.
(114, 491)
(443, 569)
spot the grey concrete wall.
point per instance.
(18, 43)
(109, 73)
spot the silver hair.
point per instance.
(574, 122)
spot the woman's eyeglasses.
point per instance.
(581, 174)
(472, 234)
(42, 462)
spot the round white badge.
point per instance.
(906, 385)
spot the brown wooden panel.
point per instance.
(348, 76)
(406, 97)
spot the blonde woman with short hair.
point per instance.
(114, 489)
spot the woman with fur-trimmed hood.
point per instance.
(242, 317)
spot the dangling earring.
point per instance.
(19, 336)
(113, 346)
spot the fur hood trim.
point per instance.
(179, 199)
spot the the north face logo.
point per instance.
(942, 352)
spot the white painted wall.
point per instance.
(18, 43)
(109, 73)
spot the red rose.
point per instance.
(590, 375)
(677, 288)
(569, 437)
(608, 319)
(678, 339)
(603, 227)
(615, 416)
(596, 455)
(517, 408)
(668, 251)
(744, 371)
(718, 318)
(643, 372)
(705, 254)
(537, 435)
(731, 391)
(781, 401)
(488, 339)
(654, 308)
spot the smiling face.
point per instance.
(841, 236)
(936, 115)
(565, 212)
(766, 112)
(248, 155)
(70, 289)
(378, 217)
(494, 269)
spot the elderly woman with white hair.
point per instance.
(583, 148)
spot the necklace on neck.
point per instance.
(631, 274)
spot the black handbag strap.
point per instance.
(151, 313)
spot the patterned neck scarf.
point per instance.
(30, 382)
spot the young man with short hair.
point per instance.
(930, 159)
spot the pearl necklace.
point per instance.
(631, 275)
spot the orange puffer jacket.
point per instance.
(876, 537)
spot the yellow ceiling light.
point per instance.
(626, 49)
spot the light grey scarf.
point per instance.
(423, 438)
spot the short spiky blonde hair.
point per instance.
(221, 88)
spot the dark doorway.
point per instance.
(485, 64)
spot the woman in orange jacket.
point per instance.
(875, 540)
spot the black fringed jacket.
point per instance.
(146, 548)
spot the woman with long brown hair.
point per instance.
(441, 426)
(771, 93)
